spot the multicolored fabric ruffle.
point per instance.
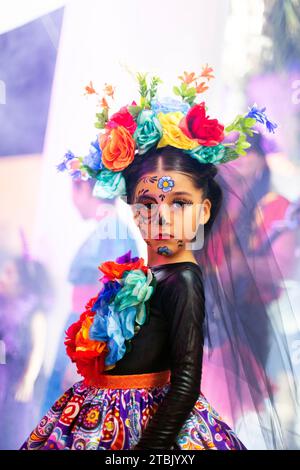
(90, 418)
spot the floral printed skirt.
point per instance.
(113, 415)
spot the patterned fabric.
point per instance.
(90, 418)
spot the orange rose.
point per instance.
(84, 343)
(117, 147)
(113, 270)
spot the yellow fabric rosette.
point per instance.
(172, 134)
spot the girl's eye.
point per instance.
(148, 205)
(181, 203)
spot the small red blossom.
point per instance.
(122, 118)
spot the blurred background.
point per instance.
(49, 225)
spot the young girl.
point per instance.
(140, 342)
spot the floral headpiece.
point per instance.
(136, 128)
(102, 335)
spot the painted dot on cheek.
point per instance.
(164, 250)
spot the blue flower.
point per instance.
(67, 157)
(119, 307)
(115, 328)
(271, 126)
(109, 185)
(106, 294)
(165, 183)
(214, 154)
(260, 116)
(168, 105)
(94, 159)
(148, 131)
(136, 289)
(76, 175)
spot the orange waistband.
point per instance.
(152, 379)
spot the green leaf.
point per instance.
(98, 125)
(176, 90)
(134, 110)
(89, 170)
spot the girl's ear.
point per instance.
(205, 211)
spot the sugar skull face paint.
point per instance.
(167, 207)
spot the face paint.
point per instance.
(164, 250)
(149, 179)
(166, 183)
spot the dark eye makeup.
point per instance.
(181, 202)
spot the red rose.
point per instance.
(89, 355)
(122, 118)
(196, 125)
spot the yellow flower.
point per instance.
(172, 134)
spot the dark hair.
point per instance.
(174, 159)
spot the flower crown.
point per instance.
(102, 335)
(136, 128)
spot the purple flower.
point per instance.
(76, 174)
(126, 258)
(271, 126)
(260, 116)
(63, 165)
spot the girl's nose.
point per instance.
(164, 214)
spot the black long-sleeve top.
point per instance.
(172, 339)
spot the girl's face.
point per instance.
(168, 210)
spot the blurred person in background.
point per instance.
(263, 232)
(84, 274)
(26, 294)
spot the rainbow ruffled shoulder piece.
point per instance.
(103, 333)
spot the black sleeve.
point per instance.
(183, 301)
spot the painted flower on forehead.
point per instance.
(197, 125)
(165, 183)
(109, 184)
(148, 132)
(118, 147)
(172, 134)
(122, 118)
